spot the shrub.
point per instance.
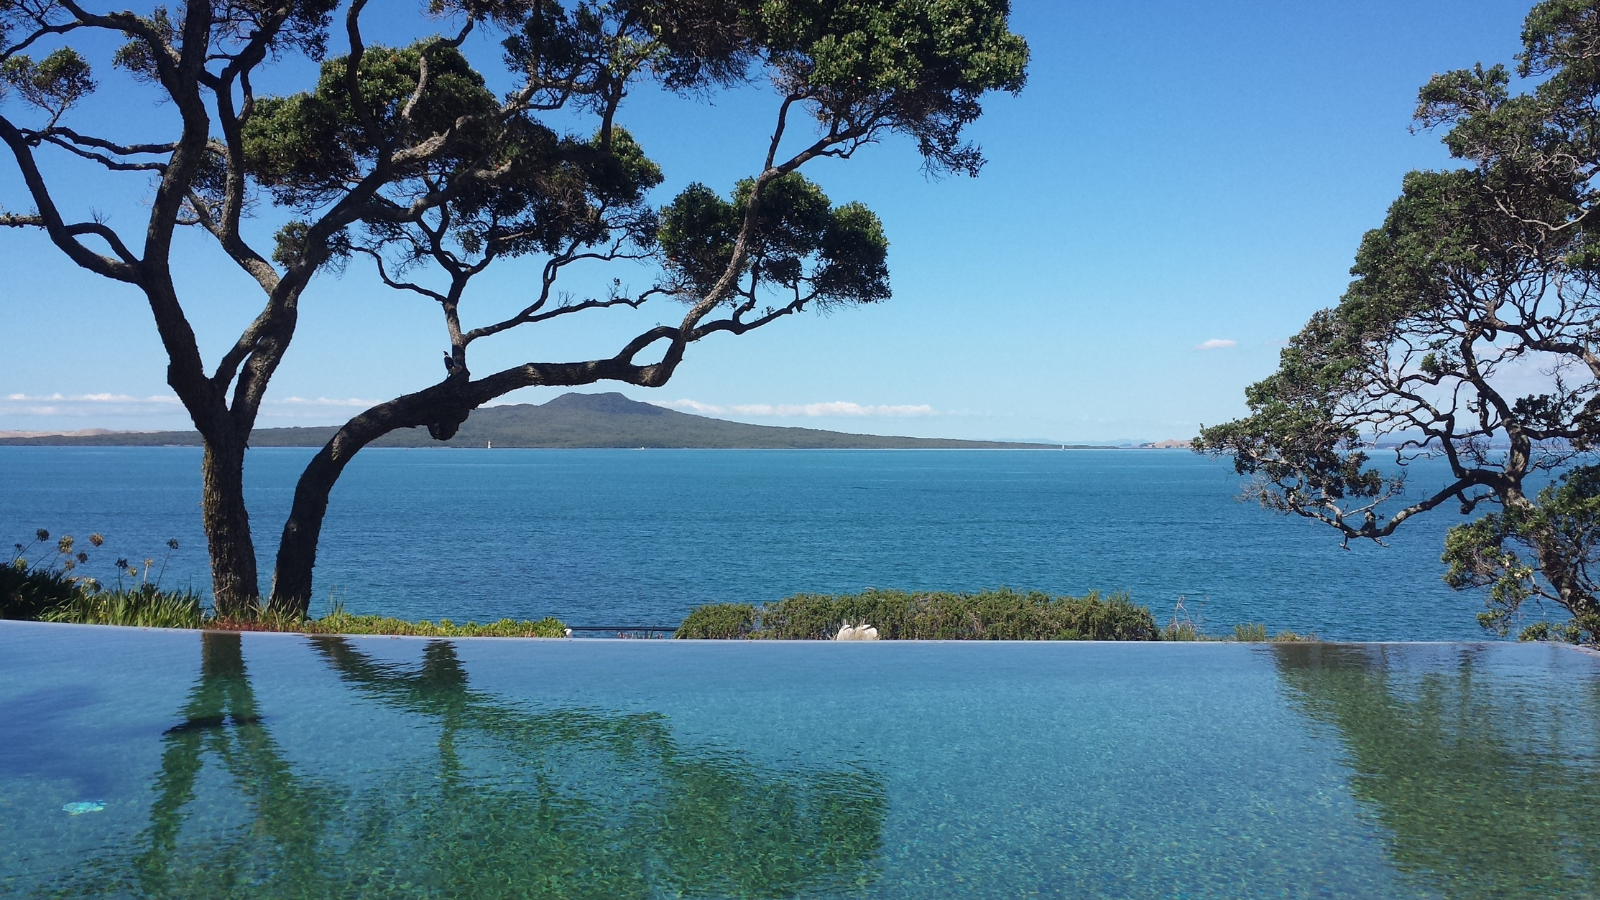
(996, 615)
(1184, 631)
(718, 620)
(341, 622)
(1253, 632)
(26, 592)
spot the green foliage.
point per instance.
(697, 234)
(148, 607)
(53, 84)
(838, 254)
(998, 615)
(721, 621)
(1514, 552)
(1478, 277)
(341, 622)
(27, 592)
(927, 62)
(1184, 631)
(306, 148)
(28, 589)
(46, 590)
(1251, 632)
(142, 607)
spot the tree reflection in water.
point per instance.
(1487, 785)
(510, 803)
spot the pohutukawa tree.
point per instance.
(1469, 334)
(404, 158)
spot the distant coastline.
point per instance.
(571, 421)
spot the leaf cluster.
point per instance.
(1511, 554)
(920, 66)
(309, 148)
(798, 242)
(53, 85)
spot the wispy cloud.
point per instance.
(87, 398)
(103, 404)
(88, 405)
(811, 410)
(1216, 344)
(325, 401)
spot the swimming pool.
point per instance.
(175, 764)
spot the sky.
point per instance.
(1177, 189)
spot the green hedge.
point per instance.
(999, 615)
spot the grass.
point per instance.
(995, 615)
(46, 590)
(151, 608)
(341, 622)
(146, 607)
(1248, 633)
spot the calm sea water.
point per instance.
(622, 537)
(182, 765)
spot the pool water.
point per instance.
(175, 764)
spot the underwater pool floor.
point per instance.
(161, 764)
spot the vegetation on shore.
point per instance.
(997, 615)
(341, 622)
(1186, 626)
(47, 590)
(1246, 633)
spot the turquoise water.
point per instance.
(275, 766)
(620, 537)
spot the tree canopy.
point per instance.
(1469, 335)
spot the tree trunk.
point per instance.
(441, 408)
(234, 587)
(297, 550)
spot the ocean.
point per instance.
(635, 538)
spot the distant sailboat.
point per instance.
(490, 446)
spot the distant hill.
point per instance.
(570, 421)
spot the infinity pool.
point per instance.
(176, 764)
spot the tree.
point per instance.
(405, 156)
(1469, 334)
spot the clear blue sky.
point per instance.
(1175, 174)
